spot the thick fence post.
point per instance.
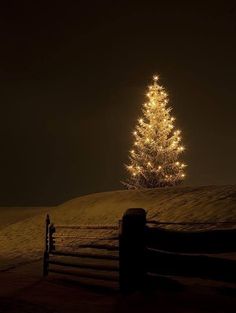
(46, 251)
(132, 250)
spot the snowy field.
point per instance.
(22, 236)
(23, 290)
(11, 215)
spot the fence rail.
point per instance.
(86, 275)
(208, 241)
(201, 266)
(86, 265)
(86, 255)
(191, 223)
(86, 237)
(89, 226)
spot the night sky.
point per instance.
(73, 78)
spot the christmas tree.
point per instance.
(154, 158)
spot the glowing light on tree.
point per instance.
(154, 158)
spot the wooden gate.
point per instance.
(89, 252)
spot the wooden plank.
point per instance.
(102, 267)
(192, 223)
(78, 237)
(83, 274)
(89, 246)
(90, 226)
(86, 255)
(166, 263)
(100, 246)
(211, 241)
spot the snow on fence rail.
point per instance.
(192, 223)
(132, 251)
(89, 226)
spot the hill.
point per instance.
(24, 240)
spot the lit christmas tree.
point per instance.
(154, 158)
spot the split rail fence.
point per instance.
(135, 251)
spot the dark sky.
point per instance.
(73, 78)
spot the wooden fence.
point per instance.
(191, 253)
(138, 249)
(86, 251)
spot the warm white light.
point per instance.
(156, 140)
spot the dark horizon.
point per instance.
(73, 80)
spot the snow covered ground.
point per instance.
(11, 215)
(22, 240)
(22, 288)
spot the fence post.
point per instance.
(51, 245)
(46, 251)
(132, 250)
